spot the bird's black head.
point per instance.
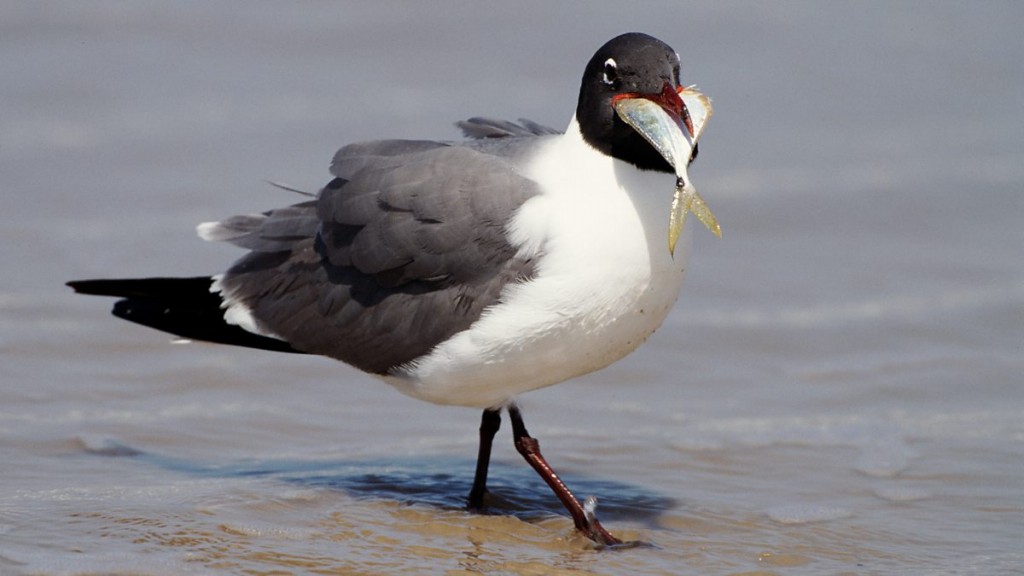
(632, 65)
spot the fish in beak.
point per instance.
(672, 121)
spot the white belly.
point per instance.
(604, 282)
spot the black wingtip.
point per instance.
(196, 286)
(185, 307)
(93, 287)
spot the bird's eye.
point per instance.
(611, 72)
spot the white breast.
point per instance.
(604, 282)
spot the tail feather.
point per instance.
(181, 306)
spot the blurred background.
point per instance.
(839, 389)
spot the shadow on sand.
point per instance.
(440, 481)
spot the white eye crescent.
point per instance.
(611, 71)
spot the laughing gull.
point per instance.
(468, 273)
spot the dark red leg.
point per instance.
(490, 422)
(585, 520)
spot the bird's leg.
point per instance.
(490, 422)
(584, 518)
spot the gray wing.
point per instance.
(403, 249)
(480, 128)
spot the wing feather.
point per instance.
(406, 247)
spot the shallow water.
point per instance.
(838, 391)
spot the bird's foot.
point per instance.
(591, 527)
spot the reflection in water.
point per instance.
(422, 480)
(364, 517)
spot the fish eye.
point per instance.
(611, 72)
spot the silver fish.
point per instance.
(675, 144)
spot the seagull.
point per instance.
(468, 273)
